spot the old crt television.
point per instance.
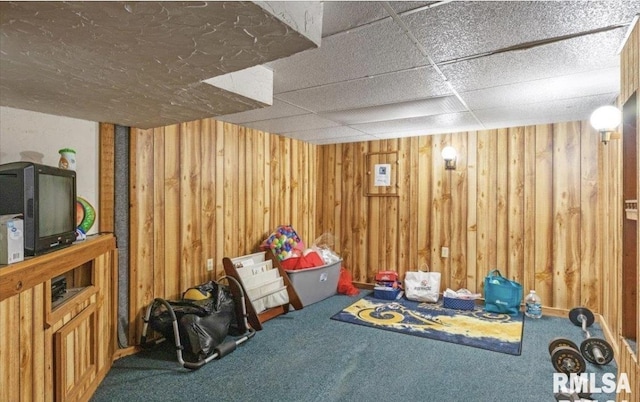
(46, 197)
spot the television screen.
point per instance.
(56, 204)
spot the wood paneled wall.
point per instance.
(525, 200)
(615, 310)
(205, 190)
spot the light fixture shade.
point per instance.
(606, 118)
(449, 153)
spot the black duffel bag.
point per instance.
(202, 324)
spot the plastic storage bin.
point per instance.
(315, 284)
(386, 292)
(459, 304)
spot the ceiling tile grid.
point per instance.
(384, 89)
(442, 123)
(465, 28)
(292, 123)
(570, 86)
(542, 113)
(376, 49)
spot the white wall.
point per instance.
(37, 137)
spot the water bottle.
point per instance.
(533, 305)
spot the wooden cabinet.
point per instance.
(58, 350)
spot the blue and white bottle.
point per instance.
(533, 305)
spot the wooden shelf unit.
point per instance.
(256, 316)
(59, 351)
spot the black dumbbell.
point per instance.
(595, 350)
(568, 360)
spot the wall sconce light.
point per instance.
(606, 119)
(449, 155)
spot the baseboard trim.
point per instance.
(128, 351)
(608, 334)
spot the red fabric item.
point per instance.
(345, 284)
(386, 276)
(310, 260)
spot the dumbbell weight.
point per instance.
(557, 342)
(595, 350)
(568, 360)
(566, 397)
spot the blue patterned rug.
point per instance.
(495, 332)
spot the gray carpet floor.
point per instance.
(306, 356)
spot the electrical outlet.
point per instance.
(444, 252)
(210, 264)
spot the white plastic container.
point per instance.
(315, 284)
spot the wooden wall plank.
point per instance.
(483, 207)
(208, 197)
(439, 208)
(241, 191)
(259, 201)
(25, 333)
(457, 200)
(375, 233)
(347, 241)
(191, 267)
(424, 199)
(404, 206)
(411, 205)
(159, 269)
(589, 206)
(360, 225)
(515, 204)
(171, 215)
(529, 209)
(470, 266)
(39, 346)
(567, 215)
(389, 225)
(141, 285)
(543, 244)
(106, 202)
(220, 185)
(502, 202)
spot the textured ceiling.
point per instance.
(140, 63)
(394, 69)
(382, 69)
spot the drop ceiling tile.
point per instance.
(372, 50)
(428, 125)
(594, 52)
(544, 112)
(329, 133)
(277, 110)
(343, 140)
(293, 123)
(400, 110)
(464, 28)
(546, 89)
(341, 16)
(414, 84)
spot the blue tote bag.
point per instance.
(501, 295)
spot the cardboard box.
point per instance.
(11, 239)
(315, 284)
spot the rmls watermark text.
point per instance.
(590, 383)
